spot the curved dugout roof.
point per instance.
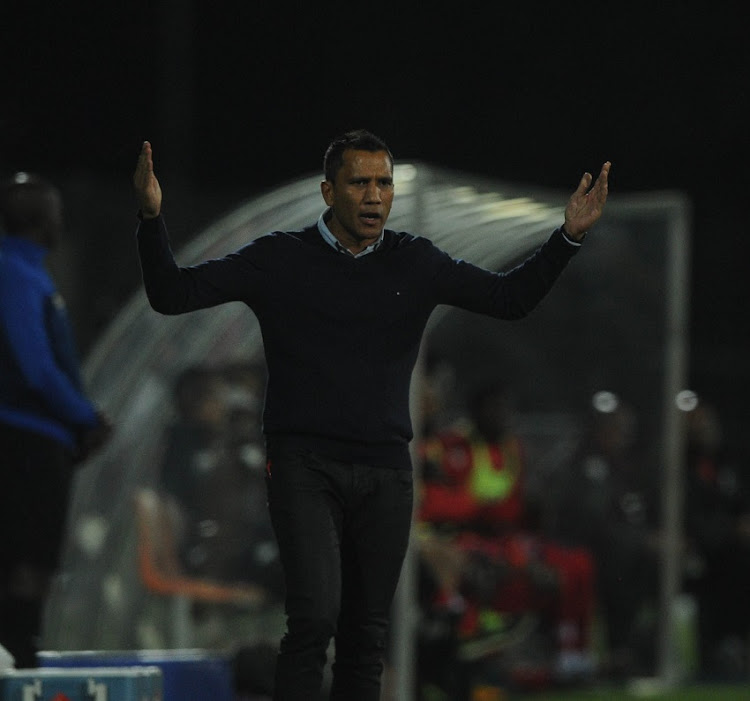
(616, 320)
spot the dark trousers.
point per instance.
(342, 531)
(36, 479)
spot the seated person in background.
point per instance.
(607, 502)
(194, 453)
(212, 476)
(253, 537)
(212, 471)
(479, 541)
(717, 526)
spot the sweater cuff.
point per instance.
(569, 238)
(142, 219)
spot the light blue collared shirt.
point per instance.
(332, 241)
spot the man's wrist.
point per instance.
(571, 237)
(144, 216)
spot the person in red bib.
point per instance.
(480, 540)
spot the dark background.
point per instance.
(241, 97)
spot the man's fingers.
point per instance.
(145, 165)
(587, 178)
(604, 174)
(584, 184)
(145, 156)
(601, 182)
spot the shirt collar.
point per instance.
(332, 241)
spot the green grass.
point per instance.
(691, 693)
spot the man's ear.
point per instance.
(326, 189)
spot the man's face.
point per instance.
(360, 198)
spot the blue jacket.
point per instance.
(40, 381)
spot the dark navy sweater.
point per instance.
(342, 334)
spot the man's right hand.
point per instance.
(147, 188)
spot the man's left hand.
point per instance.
(586, 204)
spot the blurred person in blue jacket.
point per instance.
(47, 424)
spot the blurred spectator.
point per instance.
(717, 525)
(47, 424)
(245, 384)
(607, 502)
(437, 384)
(255, 538)
(484, 559)
(213, 468)
(193, 466)
(212, 473)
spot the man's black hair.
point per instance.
(357, 139)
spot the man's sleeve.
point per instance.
(511, 294)
(172, 289)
